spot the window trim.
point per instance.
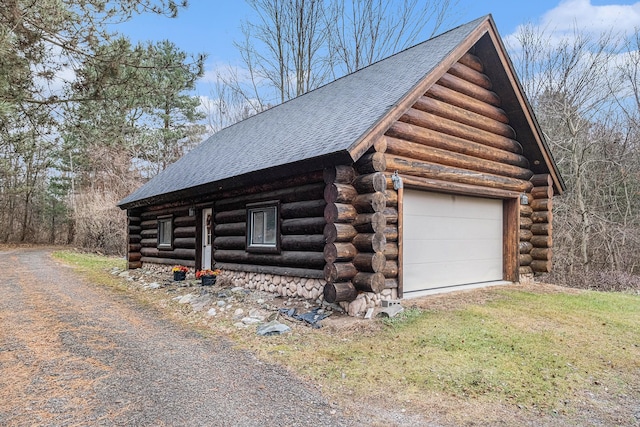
(268, 248)
(166, 219)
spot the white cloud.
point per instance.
(596, 19)
(581, 47)
(215, 73)
(569, 16)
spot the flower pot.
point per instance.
(208, 280)
(179, 276)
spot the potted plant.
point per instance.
(179, 273)
(208, 276)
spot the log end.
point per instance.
(132, 265)
(339, 292)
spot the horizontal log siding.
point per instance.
(184, 237)
(302, 225)
(134, 240)
(457, 133)
(541, 223)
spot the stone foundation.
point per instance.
(311, 289)
(366, 300)
(285, 286)
(164, 268)
(290, 287)
(527, 279)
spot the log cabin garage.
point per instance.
(423, 172)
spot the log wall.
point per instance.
(183, 251)
(133, 240)
(541, 223)
(457, 134)
(456, 138)
(302, 223)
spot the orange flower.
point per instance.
(207, 272)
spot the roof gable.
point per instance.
(486, 44)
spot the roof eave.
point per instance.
(204, 191)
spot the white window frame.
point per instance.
(165, 222)
(267, 208)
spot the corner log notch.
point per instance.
(356, 228)
(541, 223)
(339, 252)
(134, 239)
(525, 245)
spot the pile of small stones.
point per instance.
(245, 307)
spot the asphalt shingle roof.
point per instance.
(325, 121)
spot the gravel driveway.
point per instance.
(74, 354)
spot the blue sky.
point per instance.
(211, 26)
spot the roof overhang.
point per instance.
(200, 193)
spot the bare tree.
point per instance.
(283, 47)
(294, 46)
(578, 92)
(360, 32)
(227, 103)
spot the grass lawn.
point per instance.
(496, 355)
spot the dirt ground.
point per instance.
(72, 354)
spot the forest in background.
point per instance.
(86, 116)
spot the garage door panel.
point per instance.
(441, 228)
(450, 240)
(451, 206)
(440, 275)
(436, 251)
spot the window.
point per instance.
(263, 228)
(165, 232)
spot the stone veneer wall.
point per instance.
(300, 287)
(292, 287)
(285, 286)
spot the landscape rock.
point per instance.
(185, 299)
(357, 306)
(272, 328)
(199, 303)
(257, 314)
(251, 321)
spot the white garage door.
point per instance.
(450, 241)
